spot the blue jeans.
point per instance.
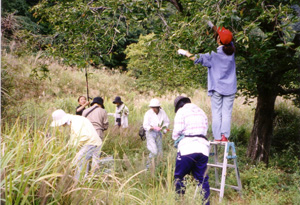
(196, 164)
(221, 108)
(154, 144)
(83, 157)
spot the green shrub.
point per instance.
(286, 139)
(239, 135)
(268, 185)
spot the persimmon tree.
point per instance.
(267, 38)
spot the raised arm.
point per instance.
(83, 106)
(186, 53)
(190, 55)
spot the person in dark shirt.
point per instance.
(82, 104)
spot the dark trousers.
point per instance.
(195, 164)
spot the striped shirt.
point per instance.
(191, 120)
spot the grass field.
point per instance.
(38, 169)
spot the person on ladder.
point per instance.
(189, 134)
(222, 82)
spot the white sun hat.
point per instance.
(59, 118)
(154, 103)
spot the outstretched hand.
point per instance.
(182, 52)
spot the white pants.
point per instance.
(154, 143)
(83, 157)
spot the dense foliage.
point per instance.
(91, 32)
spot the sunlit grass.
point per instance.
(38, 169)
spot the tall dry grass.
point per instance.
(38, 169)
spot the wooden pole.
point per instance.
(87, 84)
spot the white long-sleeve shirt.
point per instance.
(122, 112)
(151, 119)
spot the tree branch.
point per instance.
(90, 2)
(284, 70)
(164, 20)
(242, 3)
(289, 91)
(177, 4)
(101, 8)
(296, 41)
(112, 42)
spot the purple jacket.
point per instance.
(221, 71)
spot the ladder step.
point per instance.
(217, 143)
(215, 165)
(228, 157)
(214, 189)
(220, 165)
(233, 187)
(228, 146)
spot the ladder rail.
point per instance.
(224, 165)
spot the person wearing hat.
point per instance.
(155, 122)
(189, 133)
(84, 136)
(97, 116)
(222, 82)
(121, 114)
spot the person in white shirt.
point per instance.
(121, 114)
(189, 134)
(155, 122)
(84, 136)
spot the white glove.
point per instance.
(182, 52)
(210, 24)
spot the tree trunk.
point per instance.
(262, 131)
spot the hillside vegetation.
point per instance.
(36, 164)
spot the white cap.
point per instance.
(154, 103)
(59, 118)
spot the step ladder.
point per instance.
(224, 165)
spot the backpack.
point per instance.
(142, 133)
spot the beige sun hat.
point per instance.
(154, 103)
(59, 118)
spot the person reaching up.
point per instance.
(82, 104)
(222, 82)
